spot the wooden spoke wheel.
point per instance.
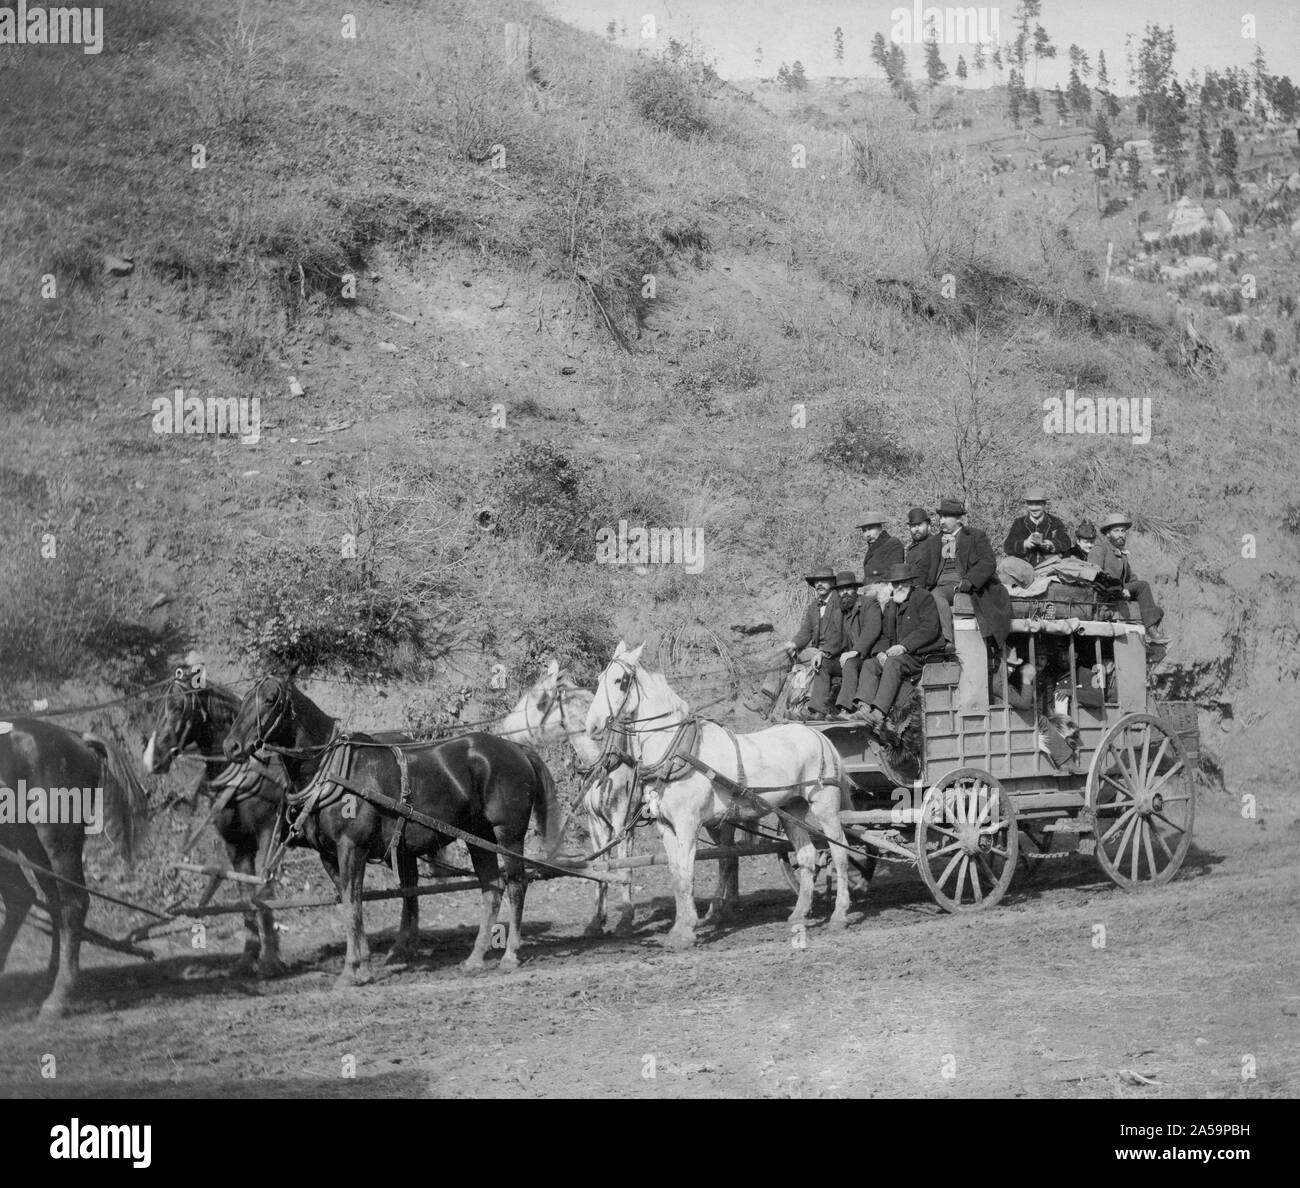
(1140, 794)
(967, 841)
(865, 866)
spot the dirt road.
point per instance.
(1070, 988)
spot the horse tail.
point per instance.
(546, 804)
(126, 801)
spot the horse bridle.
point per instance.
(196, 708)
(282, 703)
(546, 703)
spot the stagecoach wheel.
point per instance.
(967, 841)
(865, 866)
(1141, 799)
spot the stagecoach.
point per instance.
(1091, 767)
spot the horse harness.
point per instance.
(333, 778)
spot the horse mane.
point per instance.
(674, 700)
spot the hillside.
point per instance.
(524, 305)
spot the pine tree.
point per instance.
(1227, 156)
(758, 56)
(611, 32)
(1034, 106)
(798, 81)
(1286, 99)
(839, 46)
(1078, 94)
(1015, 96)
(997, 59)
(935, 70)
(880, 54)
(1058, 98)
(783, 76)
(1103, 78)
(980, 62)
(961, 68)
(1133, 168)
(1204, 155)
(1043, 48)
(1167, 135)
(1101, 135)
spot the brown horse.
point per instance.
(196, 714)
(75, 784)
(484, 785)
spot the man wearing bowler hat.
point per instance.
(1110, 555)
(822, 628)
(882, 549)
(863, 634)
(911, 631)
(1037, 536)
(923, 551)
(967, 566)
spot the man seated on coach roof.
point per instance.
(863, 630)
(1110, 555)
(1037, 536)
(923, 548)
(965, 565)
(911, 631)
(821, 628)
(882, 549)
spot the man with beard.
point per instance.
(822, 629)
(967, 566)
(863, 629)
(1110, 555)
(911, 631)
(883, 550)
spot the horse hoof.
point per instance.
(275, 968)
(594, 929)
(680, 940)
(343, 981)
(472, 965)
(52, 1009)
(508, 964)
(244, 967)
(624, 927)
(836, 925)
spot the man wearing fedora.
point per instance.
(863, 631)
(911, 631)
(1110, 555)
(1037, 536)
(967, 566)
(821, 628)
(883, 550)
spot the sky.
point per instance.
(1208, 32)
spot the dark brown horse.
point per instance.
(196, 714)
(75, 784)
(484, 785)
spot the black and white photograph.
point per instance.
(646, 550)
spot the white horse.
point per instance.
(792, 767)
(555, 709)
